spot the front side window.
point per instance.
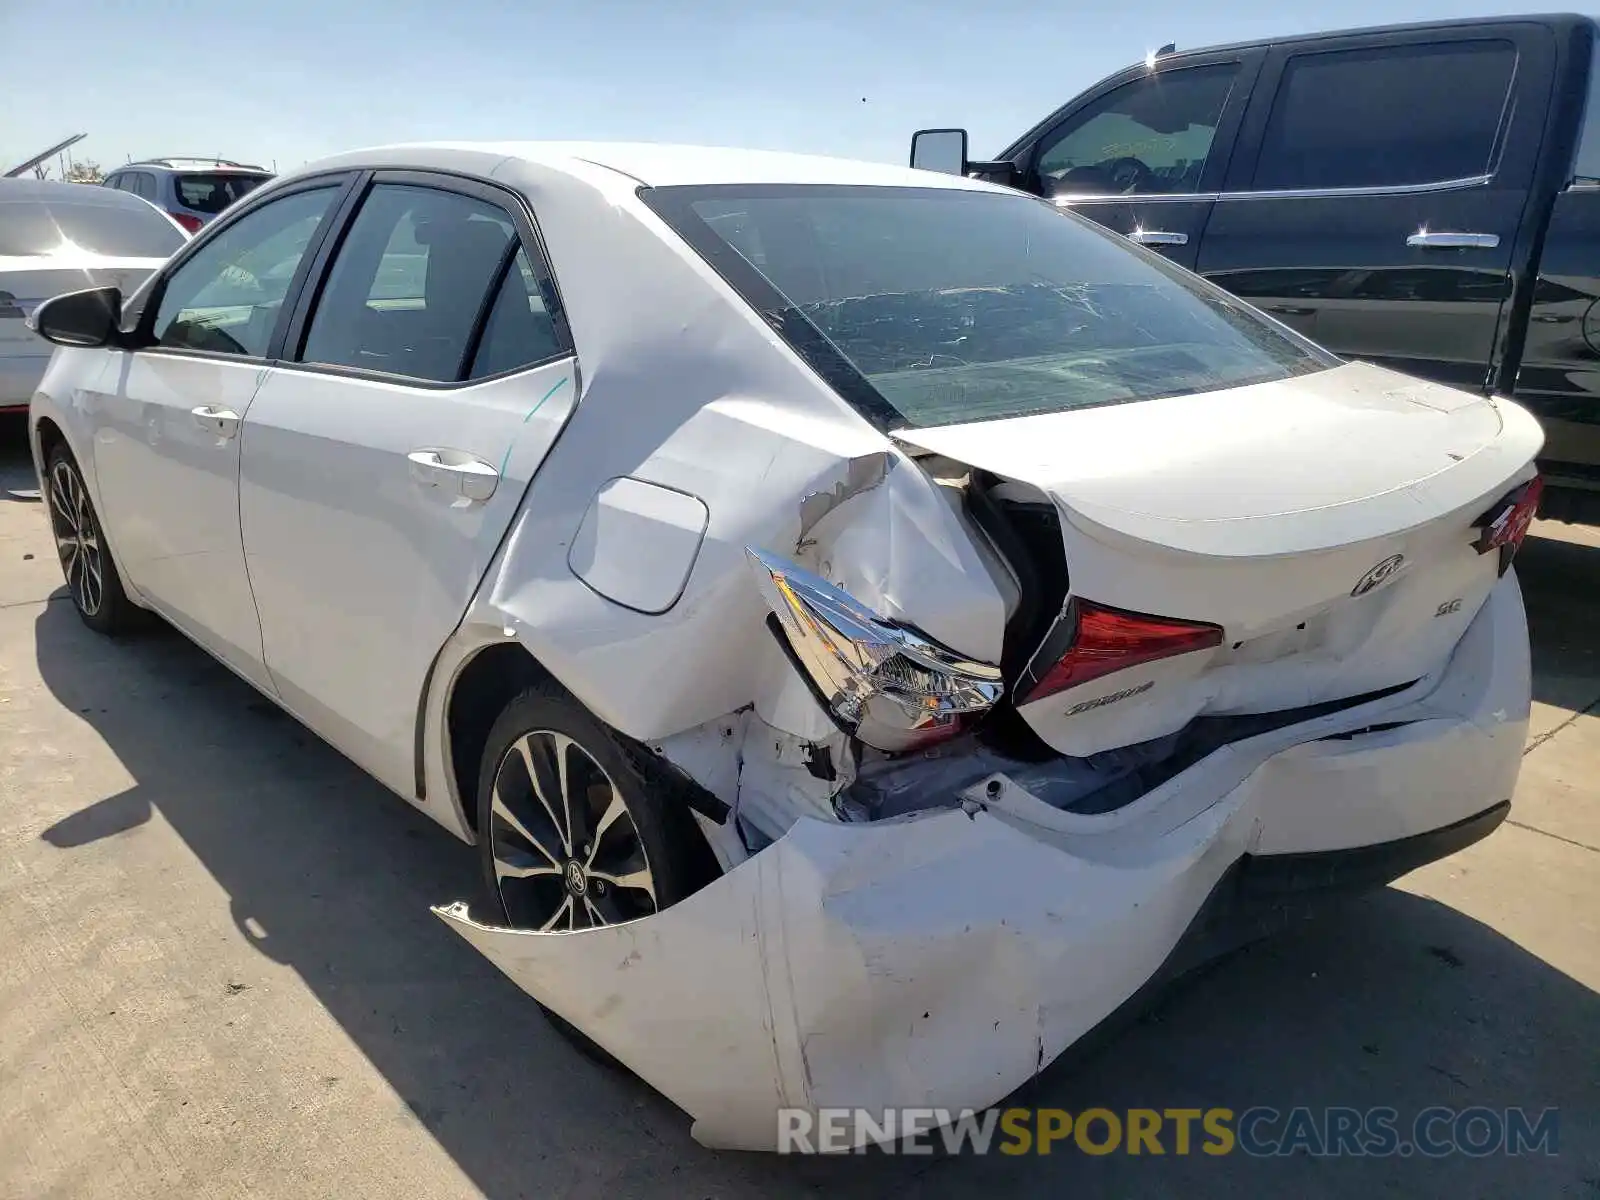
(1387, 116)
(1149, 137)
(934, 306)
(227, 297)
(407, 286)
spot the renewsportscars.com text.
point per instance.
(1259, 1131)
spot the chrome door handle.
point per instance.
(1453, 241)
(223, 422)
(454, 473)
(1158, 237)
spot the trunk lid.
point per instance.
(26, 282)
(1325, 523)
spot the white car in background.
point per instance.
(870, 623)
(63, 237)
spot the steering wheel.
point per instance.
(1127, 174)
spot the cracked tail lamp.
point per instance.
(880, 681)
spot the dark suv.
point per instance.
(191, 190)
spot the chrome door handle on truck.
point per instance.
(1454, 241)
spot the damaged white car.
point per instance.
(871, 623)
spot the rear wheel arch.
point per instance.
(487, 683)
(479, 692)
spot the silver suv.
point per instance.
(190, 190)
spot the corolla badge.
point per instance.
(1379, 574)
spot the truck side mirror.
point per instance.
(942, 150)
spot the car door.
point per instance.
(382, 466)
(1377, 200)
(166, 418)
(1145, 155)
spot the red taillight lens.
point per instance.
(1506, 524)
(1108, 639)
(188, 220)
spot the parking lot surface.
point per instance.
(219, 975)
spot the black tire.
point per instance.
(86, 562)
(659, 829)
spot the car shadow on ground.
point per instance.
(1561, 587)
(1395, 1001)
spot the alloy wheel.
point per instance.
(567, 854)
(77, 538)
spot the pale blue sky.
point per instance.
(299, 79)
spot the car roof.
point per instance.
(208, 166)
(1557, 21)
(50, 191)
(653, 164)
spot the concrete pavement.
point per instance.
(219, 975)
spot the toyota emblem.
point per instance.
(1378, 575)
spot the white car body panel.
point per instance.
(685, 432)
(1146, 532)
(938, 961)
(330, 505)
(26, 281)
(173, 482)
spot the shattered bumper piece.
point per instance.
(940, 959)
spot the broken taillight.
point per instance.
(879, 680)
(1506, 524)
(1104, 640)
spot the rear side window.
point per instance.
(935, 306)
(520, 330)
(409, 283)
(1586, 163)
(211, 193)
(1387, 116)
(1149, 137)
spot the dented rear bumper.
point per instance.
(943, 958)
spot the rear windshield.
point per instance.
(131, 229)
(211, 193)
(932, 306)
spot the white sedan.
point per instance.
(870, 623)
(59, 237)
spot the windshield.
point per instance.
(129, 229)
(932, 306)
(211, 193)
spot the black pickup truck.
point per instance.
(1426, 196)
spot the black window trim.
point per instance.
(143, 333)
(292, 342)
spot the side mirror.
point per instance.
(942, 150)
(88, 318)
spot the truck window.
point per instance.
(1388, 116)
(1151, 136)
(1586, 163)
